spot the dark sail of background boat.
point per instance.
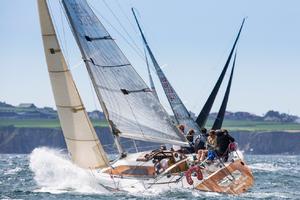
(202, 117)
(221, 114)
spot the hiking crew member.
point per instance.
(211, 145)
(190, 139)
(223, 141)
(201, 140)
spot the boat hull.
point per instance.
(233, 177)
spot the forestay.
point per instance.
(80, 136)
(128, 103)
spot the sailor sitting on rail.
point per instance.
(190, 139)
(223, 140)
(201, 140)
(211, 145)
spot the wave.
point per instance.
(266, 195)
(55, 173)
(266, 167)
(13, 171)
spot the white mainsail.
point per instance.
(81, 139)
(128, 103)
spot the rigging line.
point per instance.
(120, 23)
(135, 146)
(55, 30)
(93, 94)
(133, 114)
(64, 34)
(118, 32)
(128, 103)
(126, 16)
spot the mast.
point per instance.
(219, 120)
(82, 141)
(152, 86)
(181, 113)
(202, 117)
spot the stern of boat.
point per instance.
(235, 178)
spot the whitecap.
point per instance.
(13, 171)
(55, 173)
(264, 195)
(265, 167)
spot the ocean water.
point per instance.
(48, 174)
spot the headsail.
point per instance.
(202, 117)
(152, 86)
(128, 103)
(181, 113)
(80, 136)
(220, 117)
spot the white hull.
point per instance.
(235, 180)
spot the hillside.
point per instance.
(30, 116)
(24, 140)
(25, 127)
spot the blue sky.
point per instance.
(191, 40)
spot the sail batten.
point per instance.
(123, 95)
(203, 115)
(79, 134)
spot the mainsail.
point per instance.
(220, 117)
(202, 117)
(80, 136)
(181, 113)
(128, 103)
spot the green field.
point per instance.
(231, 125)
(40, 123)
(234, 125)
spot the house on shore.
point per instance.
(27, 105)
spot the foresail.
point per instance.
(220, 117)
(181, 113)
(128, 103)
(202, 117)
(80, 136)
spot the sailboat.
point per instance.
(131, 110)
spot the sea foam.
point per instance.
(55, 173)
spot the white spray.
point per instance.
(55, 173)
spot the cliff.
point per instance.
(24, 140)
